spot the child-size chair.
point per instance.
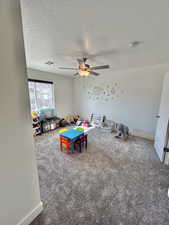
(81, 141)
(68, 144)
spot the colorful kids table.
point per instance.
(69, 137)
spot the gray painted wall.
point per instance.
(135, 101)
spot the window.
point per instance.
(41, 94)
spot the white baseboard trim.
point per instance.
(142, 134)
(32, 215)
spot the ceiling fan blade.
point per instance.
(76, 74)
(67, 68)
(94, 73)
(100, 67)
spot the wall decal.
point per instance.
(104, 92)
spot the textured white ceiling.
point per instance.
(60, 31)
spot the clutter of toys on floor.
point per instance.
(44, 121)
(121, 131)
(48, 122)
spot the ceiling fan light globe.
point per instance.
(84, 73)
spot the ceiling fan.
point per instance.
(84, 69)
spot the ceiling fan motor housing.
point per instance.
(84, 67)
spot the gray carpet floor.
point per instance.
(112, 183)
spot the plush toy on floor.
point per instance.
(122, 131)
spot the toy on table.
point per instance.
(80, 129)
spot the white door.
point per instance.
(163, 118)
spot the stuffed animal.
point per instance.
(122, 131)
